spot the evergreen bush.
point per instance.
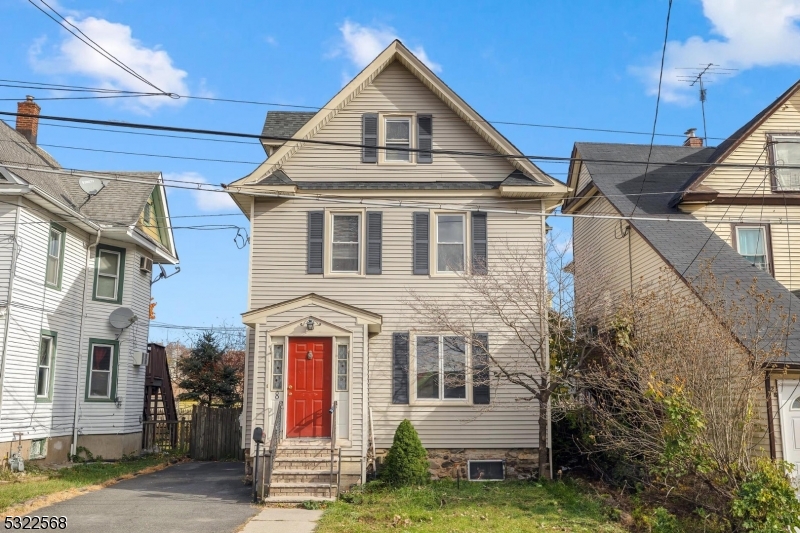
(407, 461)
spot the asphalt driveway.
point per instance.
(184, 498)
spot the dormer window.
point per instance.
(786, 153)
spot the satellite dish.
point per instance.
(91, 186)
(122, 318)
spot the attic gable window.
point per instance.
(786, 152)
(397, 132)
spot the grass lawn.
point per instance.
(16, 489)
(440, 507)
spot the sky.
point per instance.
(576, 64)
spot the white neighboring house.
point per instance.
(67, 261)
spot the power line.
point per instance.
(88, 41)
(658, 101)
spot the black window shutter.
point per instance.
(374, 242)
(479, 243)
(480, 369)
(369, 137)
(400, 368)
(316, 232)
(421, 232)
(425, 138)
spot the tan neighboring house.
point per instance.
(339, 236)
(68, 260)
(745, 186)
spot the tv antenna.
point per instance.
(701, 76)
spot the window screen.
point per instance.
(492, 470)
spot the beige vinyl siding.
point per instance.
(396, 90)
(583, 179)
(278, 274)
(729, 180)
(785, 238)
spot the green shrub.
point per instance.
(766, 502)
(407, 461)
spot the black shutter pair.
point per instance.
(316, 242)
(369, 138)
(481, 393)
(421, 235)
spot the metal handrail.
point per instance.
(334, 409)
(273, 446)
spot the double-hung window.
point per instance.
(55, 256)
(397, 132)
(441, 367)
(786, 153)
(101, 378)
(109, 274)
(345, 243)
(751, 242)
(44, 373)
(450, 238)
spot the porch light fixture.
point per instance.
(310, 324)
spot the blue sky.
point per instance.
(577, 64)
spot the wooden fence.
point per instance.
(215, 434)
(166, 435)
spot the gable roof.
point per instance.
(396, 51)
(373, 320)
(119, 203)
(730, 144)
(684, 246)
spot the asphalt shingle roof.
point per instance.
(118, 203)
(285, 123)
(684, 246)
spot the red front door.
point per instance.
(308, 392)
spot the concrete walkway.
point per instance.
(275, 520)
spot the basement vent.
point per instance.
(38, 449)
(146, 264)
(490, 470)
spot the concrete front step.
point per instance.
(297, 499)
(312, 453)
(302, 489)
(304, 463)
(304, 476)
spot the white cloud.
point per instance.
(361, 44)
(204, 197)
(748, 34)
(71, 56)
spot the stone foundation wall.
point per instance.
(521, 463)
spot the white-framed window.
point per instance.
(397, 134)
(45, 366)
(342, 365)
(441, 362)
(101, 371)
(346, 242)
(109, 271)
(450, 242)
(751, 242)
(786, 152)
(277, 366)
(55, 256)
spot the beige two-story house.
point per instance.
(668, 212)
(394, 186)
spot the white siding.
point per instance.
(396, 90)
(278, 274)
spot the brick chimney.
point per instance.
(692, 141)
(28, 127)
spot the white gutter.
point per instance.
(74, 445)
(14, 250)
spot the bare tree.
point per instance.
(524, 299)
(678, 388)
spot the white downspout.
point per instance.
(365, 404)
(74, 446)
(14, 253)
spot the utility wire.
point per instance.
(88, 41)
(658, 101)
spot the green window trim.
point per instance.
(113, 367)
(63, 231)
(120, 273)
(53, 351)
